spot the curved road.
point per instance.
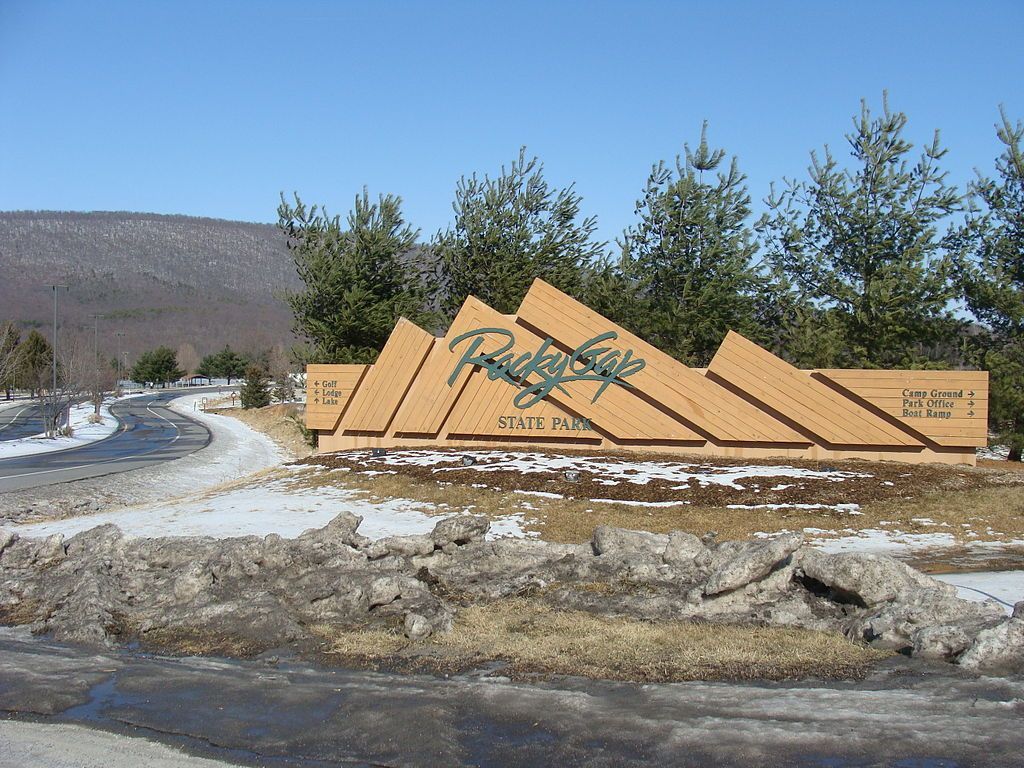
(25, 420)
(150, 433)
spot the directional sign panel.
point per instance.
(950, 407)
(328, 391)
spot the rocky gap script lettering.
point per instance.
(550, 367)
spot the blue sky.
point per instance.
(213, 108)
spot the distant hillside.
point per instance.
(159, 279)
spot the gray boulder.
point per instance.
(417, 627)
(6, 539)
(895, 624)
(402, 546)
(753, 564)
(460, 530)
(943, 642)
(867, 579)
(997, 649)
(619, 542)
(684, 550)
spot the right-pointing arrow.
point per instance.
(970, 403)
(970, 413)
(971, 393)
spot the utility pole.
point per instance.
(53, 392)
(117, 360)
(96, 363)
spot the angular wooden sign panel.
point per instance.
(557, 373)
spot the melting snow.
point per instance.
(604, 468)
(278, 506)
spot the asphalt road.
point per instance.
(24, 420)
(291, 713)
(150, 433)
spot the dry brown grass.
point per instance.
(992, 513)
(531, 637)
(278, 422)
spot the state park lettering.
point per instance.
(540, 373)
(560, 423)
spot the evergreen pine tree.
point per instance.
(157, 366)
(357, 285)
(861, 245)
(509, 230)
(687, 265)
(255, 392)
(993, 281)
(34, 362)
(10, 337)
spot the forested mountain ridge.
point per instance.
(160, 279)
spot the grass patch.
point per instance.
(533, 638)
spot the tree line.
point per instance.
(872, 259)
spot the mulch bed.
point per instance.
(885, 480)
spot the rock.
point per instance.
(51, 550)
(895, 624)
(685, 550)
(459, 530)
(192, 582)
(1018, 609)
(417, 627)
(386, 589)
(753, 564)
(866, 579)
(403, 546)
(620, 541)
(6, 539)
(340, 530)
(941, 642)
(1000, 648)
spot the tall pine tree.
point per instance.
(861, 247)
(509, 230)
(993, 281)
(686, 276)
(357, 285)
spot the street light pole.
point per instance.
(96, 362)
(117, 360)
(53, 391)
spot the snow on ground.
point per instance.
(235, 451)
(612, 470)
(850, 509)
(83, 432)
(284, 505)
(994, 453)
(1005, 587)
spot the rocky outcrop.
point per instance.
(102, 587)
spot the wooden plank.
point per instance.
(616, 410)
(329, 389)
(679, 389)
(948, 407)
(382, 390)
(812, 404)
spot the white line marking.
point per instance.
(105, 461)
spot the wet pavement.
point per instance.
(263, 712)
(24, 420)
(150, 433)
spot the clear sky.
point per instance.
(212, 108)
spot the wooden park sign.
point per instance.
(558, 374)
